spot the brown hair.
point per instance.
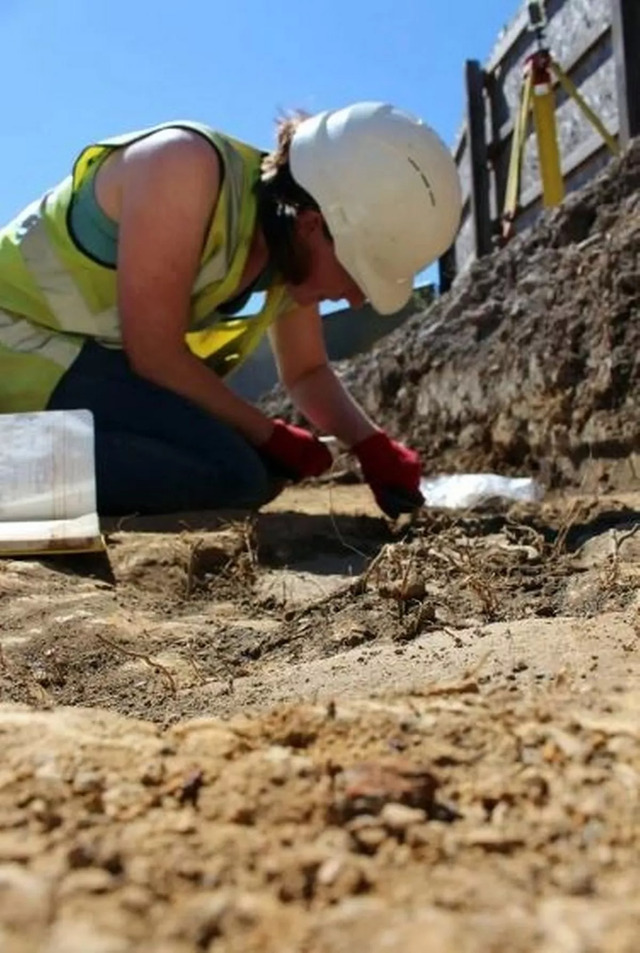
(280, 198)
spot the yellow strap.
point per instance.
(231, 342)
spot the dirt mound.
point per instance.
(530, 363)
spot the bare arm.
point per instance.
(168, 186)
(299, 349)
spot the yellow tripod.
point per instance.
(537, 94)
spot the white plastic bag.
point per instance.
(464, 490)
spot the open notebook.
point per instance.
(47, 483)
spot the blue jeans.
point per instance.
(155, 451)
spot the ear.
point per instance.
(309, 222)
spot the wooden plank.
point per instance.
(626, 42)
(474, 83)
(511, 35)
(497, 152)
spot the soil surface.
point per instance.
(315, 731)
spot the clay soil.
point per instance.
(315, 731)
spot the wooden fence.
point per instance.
(597, 43)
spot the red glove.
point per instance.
(296, 452)
(393, 473)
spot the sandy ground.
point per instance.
(317, 732)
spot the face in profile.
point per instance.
(325, 278)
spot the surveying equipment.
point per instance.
(540, 71)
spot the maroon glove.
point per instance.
(393, 473)
(295, 452)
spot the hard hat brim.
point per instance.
(385, 295)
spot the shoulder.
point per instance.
(174, 150)
(174, 141)
(166, 166)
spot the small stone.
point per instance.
(366, 787)
(199, 919)
(152, 773)
(87, 782)
(417, 835)
(330, 871)
(80, 936)
(86, 880)
(45, 814)
(17, 847)
(80, 855)
(24, 898)
(493, 841)
(185, 823)
(414, 588)
(398, 817)
(367, 833)
(135, 898)
(122, 798)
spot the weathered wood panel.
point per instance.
(596, 43)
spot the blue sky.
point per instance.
(77, 70)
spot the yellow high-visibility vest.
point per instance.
(53, 296)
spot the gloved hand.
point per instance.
(296, 452)
(393, 473)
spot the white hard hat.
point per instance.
(388, 189)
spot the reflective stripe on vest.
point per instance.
(66, 305)
(53, 296)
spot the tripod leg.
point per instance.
(515, 159)
(587, 111)
(544, 115)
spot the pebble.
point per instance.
(398, 817)
(81, 936)
(24, 898)
(86, 880)
(330, 871)
(87, 782)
